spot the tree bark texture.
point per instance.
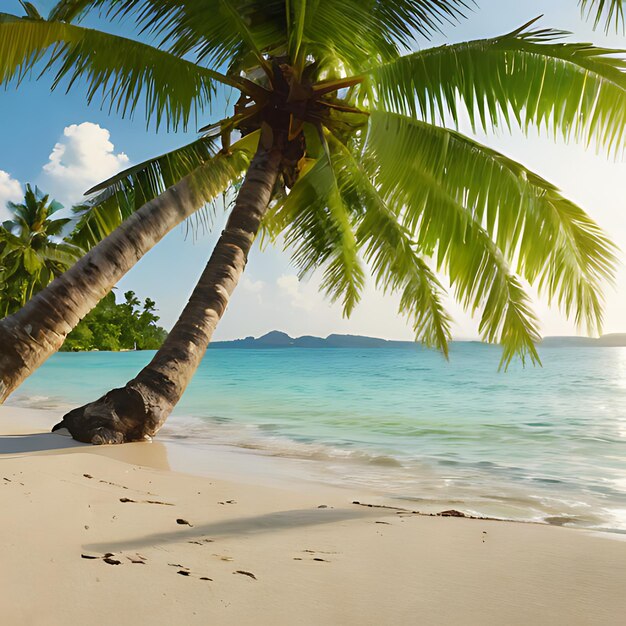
(37, 330)
(138, 410)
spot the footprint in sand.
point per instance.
(184, 571)
(319, 559)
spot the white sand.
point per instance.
(343, 564)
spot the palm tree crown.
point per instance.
(32, 252)
(374, 177)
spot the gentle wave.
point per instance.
(533, 444)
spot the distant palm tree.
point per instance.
(32, 252)
(354, 161)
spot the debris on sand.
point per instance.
(451, 513)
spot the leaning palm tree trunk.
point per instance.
(32, 334)
(138, 410)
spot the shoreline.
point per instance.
(237, 550)
(227, 462)
(232, 450)
(529, 446)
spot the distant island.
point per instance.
(613, 340)
(278, 339)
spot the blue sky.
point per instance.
(64, 145)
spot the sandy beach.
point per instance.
(107, 535)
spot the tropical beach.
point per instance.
(312, 312)
(534, 444)
(239, 521)
(110, 535)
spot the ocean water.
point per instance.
(537, 444)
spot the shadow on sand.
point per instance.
(152, 455)
(37, 442)
(258, 524)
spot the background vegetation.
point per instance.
(111, 326)
(34, 250)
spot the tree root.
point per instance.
(120, 416)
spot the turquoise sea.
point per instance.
(544, 444)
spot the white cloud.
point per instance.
(253, 286)
(290, 285)
(10, 191)
(82, 158)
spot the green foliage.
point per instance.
(575, 90)
(118, 72)
(484, 218)
(320, 231)
(124, 326)
(32, 251)
(236, 32)
(120, 196)
(395, 260)
(609, 11)
(374, 171)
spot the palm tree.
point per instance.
(32, 251)
(128, 225)
(354, 161)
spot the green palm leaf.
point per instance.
(390, 252)
(119, 196)
(577, 90)
(63, 253)
(359, 30)
(318, 224)
(353, 32)
(120, 72)
(218, 32)
(215, 32)
(478, 212)
(69, 10)
(609, 11)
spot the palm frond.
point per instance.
(484, 218)
(360, 31)
(55, 228)
(319, 227)
(212, 32)
(69, 10)
(348, 32)
(611, 12)
(574, 89)
(31, 10)
(217, 32)
(295, 13)
(212, 173)
(403, 19)
(121, 73)
(62, 253)
(390, 252)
